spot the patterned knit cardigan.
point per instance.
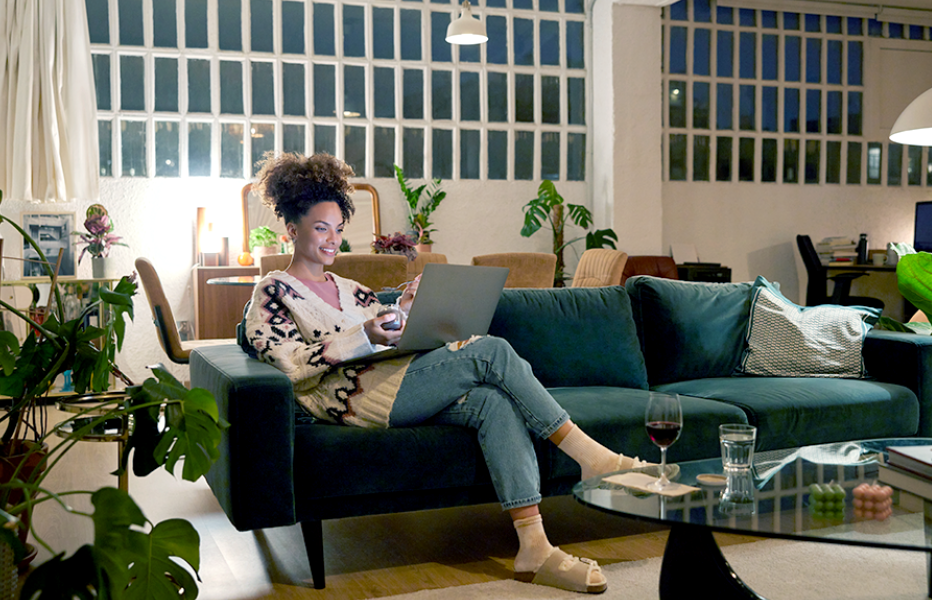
(295, 330)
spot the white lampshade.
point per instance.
(914, 125)
(466, 29)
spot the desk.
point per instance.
(218, 308)
(880, 282)
(704, 272)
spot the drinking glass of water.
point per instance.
(664, 420)
(737, 440)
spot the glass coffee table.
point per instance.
(778, 506)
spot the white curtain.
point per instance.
(48, 112)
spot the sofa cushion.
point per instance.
(786, 340)
(573, 336)
(689, 330)
(798, 411)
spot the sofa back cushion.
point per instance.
(689, 330)
(573, 336)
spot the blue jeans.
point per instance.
(485, 386)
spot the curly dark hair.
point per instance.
(290, 184)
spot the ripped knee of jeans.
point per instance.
(454, 346)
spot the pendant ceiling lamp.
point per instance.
(914, 125)
(467, 29)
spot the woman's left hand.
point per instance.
(407, 296)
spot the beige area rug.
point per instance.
(775, 569)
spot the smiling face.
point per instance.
(317, 236)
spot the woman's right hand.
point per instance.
(378, 335)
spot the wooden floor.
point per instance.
(366, 557)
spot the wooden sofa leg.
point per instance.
(314, 544)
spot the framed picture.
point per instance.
(52, 232)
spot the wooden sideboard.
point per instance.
(219, 308)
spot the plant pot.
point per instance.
(9, 574)
(99, 267)
(423, 247)
(12, 454)
(264, 251)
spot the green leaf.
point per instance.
(535, 215)
(889, 324)
(580, 215)
(79, 577)
(155, 574)
(9, 350)
(914, 278)
(601, 238)
(115, 543)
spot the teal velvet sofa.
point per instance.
(599, 351)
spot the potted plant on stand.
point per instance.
(419, 210)
(129, 556)
(98, 240)
(263, 241)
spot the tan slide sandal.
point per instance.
(566, 572)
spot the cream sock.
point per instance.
(533, 546)
(594, 458)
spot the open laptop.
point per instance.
(453, 302)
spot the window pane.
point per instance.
(895, 30)
(832, 24)
(790, 161)
(130, 15)
(164, 24)
(260, 25)
(874, 160)
(914, 165)
(132, 83)
(199, 149)
(442, 167)
(791, 21)
(575, 156)
(98, 19)
(723, 154)
(854, 113)
(383, 32)
(231, 87)
(354, 91)
(791, 110)
(677, 104)
(439, 48)
(894, 164)
(411, 34)
(524, 155)
(677, 157)
(855, 63)
(133, 145)
(198, 86)
(724, 15)
(549, 5)
(412, 148)
(524, 41)
(469, 96)
(293, 139)
(678, 50)
(498, 154)
(770, 58)
(293, 90)
(384, 102)
(496, 50)
(679, 11)
(701, 105)
(833, 162)
(325, 104)
(768, 19)
(195, 23)
(166, 85)
(354, 149)
(576, 100)
(231, 150)
(747, 108)
(813, 24)
(792, 47)
(747, 58)
(324, 43)
(550, 43)
(262, 139)
(441, 96)
(263, 88)
(550, 99)
(813, 111)
(575, 47)
(230, 24)
(702, 11)
(747, 17)
(746, 159)
(325, 139)
(916, 32)
(768, 165)
(724, 106)
(550, 155)
(101, 64)
(413, 102)
(569, 6)
(498, 97)
(384, 152)
(833, 62)
(855, 26)
(293, 27)
(724, 54)
(469, 153)
(854, 163)
(702, 48)
(813, 60)
(524, 98)
(105, 147)
(769, 114)
(354, 30)
(813, 160)
(469, 53)
(701, 155)
(833, 116)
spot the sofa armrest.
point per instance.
(904, 359)
(253, 477)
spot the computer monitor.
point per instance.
(922, 240)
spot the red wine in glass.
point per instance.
(663, 420)
(663, 433)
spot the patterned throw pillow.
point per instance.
(786, 340)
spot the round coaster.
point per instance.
(711, 479)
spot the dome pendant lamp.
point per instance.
(914, 125)
(467, 29)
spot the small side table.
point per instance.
(91, 407)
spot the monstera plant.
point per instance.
(129, 557)
(914, 280)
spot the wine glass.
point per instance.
(664, 420)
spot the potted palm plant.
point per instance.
(420, 209)
(129, 556)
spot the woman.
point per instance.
(306, 322)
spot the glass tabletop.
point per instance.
(234, 280)
(779, 502)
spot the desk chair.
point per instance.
(816, 288)
(178, 351)
(525, 269)
(655, 266)
(600, 267)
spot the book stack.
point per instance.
(837, 251)
(908, 468)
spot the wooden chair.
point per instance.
(526, 269)
(416, 266)
(375, 271)
(600, 267)
(273, 262)
(655, 266)
(178, 351)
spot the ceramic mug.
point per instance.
(879, 259)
